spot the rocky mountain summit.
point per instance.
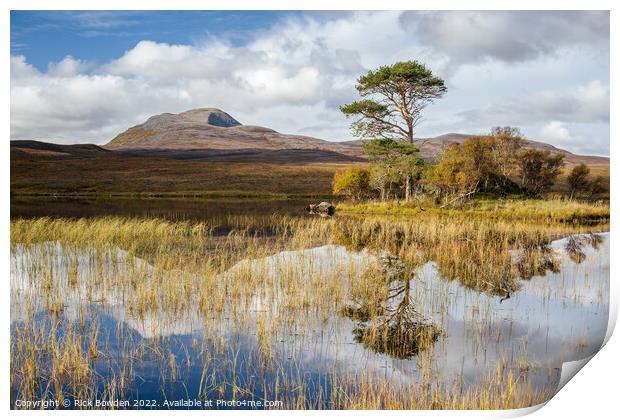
(210, 128)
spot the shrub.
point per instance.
(352, 182)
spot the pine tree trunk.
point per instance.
(407, 187)
(409, 121)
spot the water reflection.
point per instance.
(411, 323)
(536, 260)
(160, 207)
(387, 321)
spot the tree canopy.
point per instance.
(482, 163)
(387, 151)
(578, 179)
(538, 170)
(397, 163)
(394, 98)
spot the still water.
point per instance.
(167, 208)
(264, 355)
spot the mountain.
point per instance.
(193, 132)
(213, 135)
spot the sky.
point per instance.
(85, 76)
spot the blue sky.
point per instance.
(49, 36)
(84, 76)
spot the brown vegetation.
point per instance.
(119, 174)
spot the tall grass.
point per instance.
(553, 210)
(228, 275)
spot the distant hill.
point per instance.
(431, 148)
(213, 135)
(38, 149)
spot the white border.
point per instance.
(593, 394)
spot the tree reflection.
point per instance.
(574, 249)
(388, 322)
(576, 243)
(536, 259)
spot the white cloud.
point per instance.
(580, 139)
(294, 76)
(511, 36)
(67, 67)
(555, 131)
(20, 69)
(582, 104)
